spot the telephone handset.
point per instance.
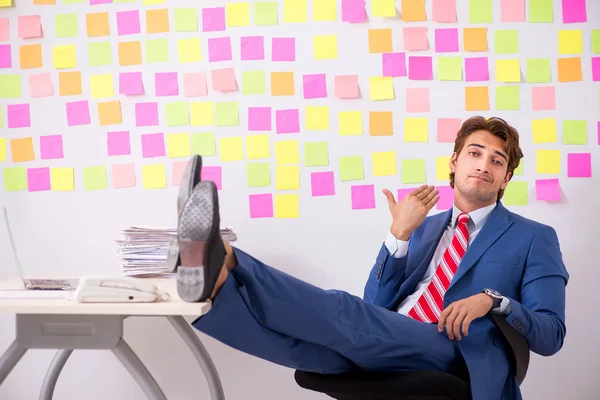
(117, 290)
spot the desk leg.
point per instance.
(208, 367)
(56, 366)
(10, 358)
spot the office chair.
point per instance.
(413, 385)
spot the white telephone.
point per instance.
(117, 290)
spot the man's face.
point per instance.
(480, 169)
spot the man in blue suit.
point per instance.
(434, 281)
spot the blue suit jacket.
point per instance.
(519, 258)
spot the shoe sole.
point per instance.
(200, 245)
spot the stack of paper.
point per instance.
(143, 250)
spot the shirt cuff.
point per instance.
(504, 307)
(396, 248)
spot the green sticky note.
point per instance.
(94, 178)
(15, 179)
(157, 50)
(538, 70)
(316, 154)
(65, 25)
(186, 20)
(480, 11)
(0, 117)
(596, 41)
(413, 170)
(541, 11)
(574, 132)
(77, 1)
(10, 86)
(177, 113)
(515, 194)
(265, 13)
(227, 113)
(449, 68)
(507, 98)
(506, 41)
(519, 169)
(258, 174)
(204, 144)
(351, 168)
(253, 82)
(99, 53)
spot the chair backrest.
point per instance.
(518, 345)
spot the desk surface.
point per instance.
(51, 302)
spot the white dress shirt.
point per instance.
(399, 248)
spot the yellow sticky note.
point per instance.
(154, 176)
(324, 10)
(189, 50)
(381, 88)
(384, 163)
(178, 145)
(547, 162)
(231, 148)
(62, 179)
(2, 148)
(416, 129)
(286, 205)
(238, 14)
(508, 71)
(317, 118)
(570, 41)
(64, 56)
(202, 113)
(287, 177)
(102, 86)
(258, 146)
(294, 10)
(5, 3)
(287, 152)
(544, 130)
(383, 8)
(442, 168)
(350, 123)
(325, 47)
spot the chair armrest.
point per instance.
(517, 343)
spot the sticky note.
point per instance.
(475, 39)
(346, 87)
(78, 113)
(596, 41)
(449, 68)
(214, 174)
(51, 147)
(506, 41)
(252, 48)
(258, 174)
(519, 169)
(259, 118)
(363, 197)
(547, 189)
(38, 179)
(538, 70)
(99, 53)
(6, 56)
(316, 154)
(294, 11)
(178, 145)
(283, 49)
(383, 8)
(94, 178)
(446, 198)
(18, 115)
(570, 41)
(22, 149)
(186, 20)
(417, 100)
(157, 20)
(64, 56)
(146, 114)
(380, 40)
(96, 2)
(350, 123)
(322, 184)
(480, 11)
(69, 83)
(258, 146)
(381, 123)
(574, 132)
(204, 144)
(512, 10)
(325, 47)
(353, 11)
(261, 205)
(102, 86)
(254, 82)
(287, 121)
(381, 88)
(4, 29)
(219, 49)
(287, 177)
(579, 165)
(595, 69)
(316, 118)
(574, 11)
(189, 50)
(194, 84)
(109, 113)
(415, 38)
(153, 145)
(123, 175)
(231, 149)
(202, 113)
(444, 11)
(29, 26)
(508, 70)
(416, 129)
(324, 10)
(543, 98)
(157, 50)
(413, 11)
(154, 176)
(40, 85)
(97, 24)
(65, 25)
(541, 11)
(286, 205)
(516, 194)
(177, 113)
(118, 143)
(351, 168)
(420, 68)
(130, 53)
(477, 98)
(442, 168)
(166, 84)
(447, 128)
(213, 19)
(287, 152)
(569, 69)
(227, 113)
(62, 179)
(223, 80)
(15, 179)
(314, 86)
(265, 13)
(384, 163)
(30, 56)
(130, 83)
(413, 171)
(10, 86)
(446, 40)
(547, 161)
(2, 149)
(544, 130)
(394, 64)
(508, 98)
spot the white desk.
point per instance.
(44, 322)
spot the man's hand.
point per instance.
(458, 316)
(411, 211)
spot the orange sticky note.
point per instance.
(475, 39)
(22, 149)
(380, 40)
(157, 21)
(569, 69)
(30, 56)
(44, 2)
(130, 53)
(97, 24)
(477, 98)
(109, 112)
(69, 83)
(282, 84)
(413, 10)
(381, 123)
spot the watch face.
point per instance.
(494, 292)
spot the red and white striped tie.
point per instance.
(431, 303)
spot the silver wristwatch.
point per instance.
(495, 295)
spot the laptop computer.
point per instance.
(22, 283)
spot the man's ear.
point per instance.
(506, 180)
(453, 162)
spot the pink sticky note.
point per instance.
(420, 68)
(165, 84)
(476, 69)
(547, 189)
(30, 26)
(287, 121)
(363, 197)
(40, 85)
(315, 86)
(214, 174)
(415, 38)
(5, 56)
(177, 171)
(512, 11)
(446, 40)
(146, 114)
(447, 128)
(543, 98)
(219, 49)
(97, 2)
(283, 49)
(574, 11)
(346, 87)
(259, 118)
(403, 192)
(322, 183)
(213, 19)
(579, 165)
(118, 143)
(153, 145)
(123, 175)
(261, 205)
(353, 11)
(18, 115)
(223, 80)
(194, 84)
(130, 83)
(446, 198)
(252, 48)
(38, 179)
(394, 64)
(596, 69)
(598, 132)
(417, 100)
(128, 22)
(444, 10)
(78, 113)
(51, 147)
(4, 29)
